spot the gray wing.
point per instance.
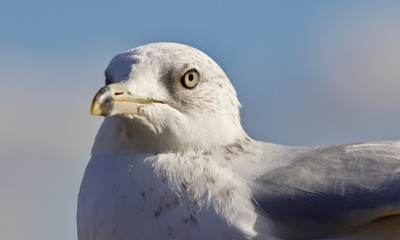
(331, 189)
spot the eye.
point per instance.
(190, 78)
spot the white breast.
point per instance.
(141, 196)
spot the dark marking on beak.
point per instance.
(107, 106)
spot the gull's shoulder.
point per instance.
(364, 165)
(328, 188)
(279, 156)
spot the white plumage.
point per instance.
(171, 161)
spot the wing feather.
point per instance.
(330, 189)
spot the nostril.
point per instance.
(119, 93)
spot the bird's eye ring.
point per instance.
(190, 79)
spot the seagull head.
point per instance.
(165, 97)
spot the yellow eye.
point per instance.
(190, 79)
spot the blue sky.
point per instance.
(306, 72)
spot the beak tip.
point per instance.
(95, 109)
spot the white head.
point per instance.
(165, 97)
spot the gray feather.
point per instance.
(329, 189)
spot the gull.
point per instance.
(172, 161)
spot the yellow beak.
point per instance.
(114, 99)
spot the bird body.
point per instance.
(171, 161)
(164, 195)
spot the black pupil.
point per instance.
(190, 77)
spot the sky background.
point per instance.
(306, 73)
